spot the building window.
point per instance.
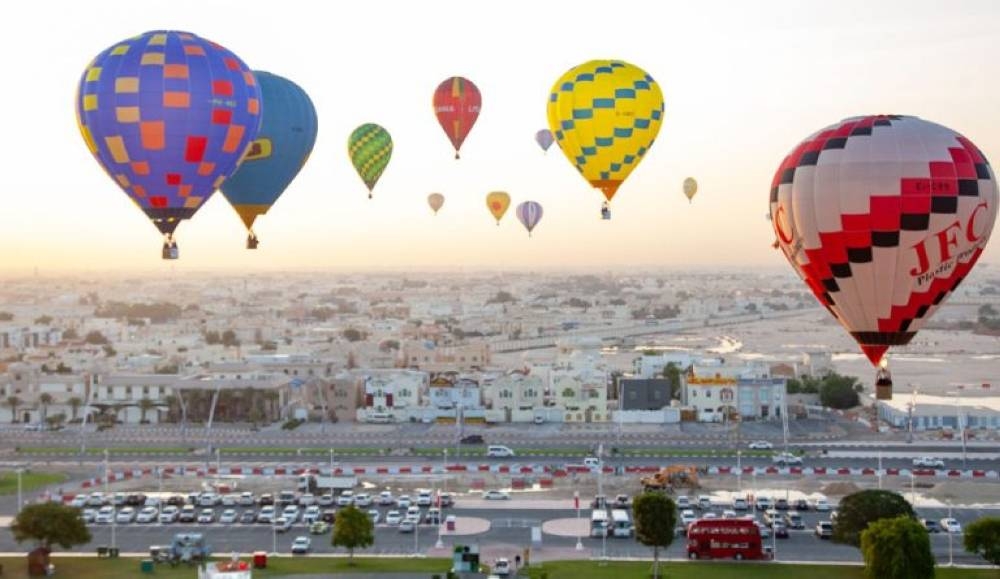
(145, 391)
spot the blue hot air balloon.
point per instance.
(168, 115)
(287, 134)
(544, 139)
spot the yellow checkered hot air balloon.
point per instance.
(605, 115)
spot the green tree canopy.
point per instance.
(897, 548)
(352, 335)
(50, 524)
(655, 517)
(857, 511)
(838, 391)
(352, 529)
(95, 337)
(982, 538)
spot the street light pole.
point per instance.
(951, 554)
(107, 472)
(19, 498)
(579, 538)
(739, 470)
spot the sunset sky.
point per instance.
(743, 82)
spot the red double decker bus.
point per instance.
(724, 539)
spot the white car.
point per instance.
(408, 524)
(246, 500)
(169, 514)
(928, 462)
(413, 511)
(362, 500)
(206, 516)
(501, 567)
(704, 502)
(822, 505)
(209, 500)
(147, 515)
(386, 499)
(345, 499)
(266, 515)
(307, 499)
(404, 501)
(228, 516)
(301, 545)
(740, 504)
(950, 525)
(374, 515)
(230, 500)
(495, 495)
(688, 517)
(683, 502)
(311, 515)
(105, 515)
(425, 499)
(291, 513)
(764, 503)
(393, 518)
(787, 459)
(498, 451)
(326, 500)
(126, 515)
(96, 499)
(728, 514)
(761, 445)
(79, 501)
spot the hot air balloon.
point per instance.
(370, 148)
(544, 139)
(605, 115)
(456, 104)
(435, 200)
(168, 115)
(287, 134)
(882, 217)
(497, 202)
(529, 213)
(690, 188)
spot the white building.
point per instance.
(514, 397)
(718, 398)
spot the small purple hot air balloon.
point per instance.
(529, 214)
(544, 139)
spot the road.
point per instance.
(509, 527)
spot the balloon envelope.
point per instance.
(690, 188)
(456, 104)
(882, 217)
(544, 139)
(168, 115)
(605, 115)
(498, 202)
(529, 213)
(286, 137)
(370, 148)
(436, 201)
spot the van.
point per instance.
(497, 451)
(591, 462)
(621, 525)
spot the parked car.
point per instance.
(688, 517)
(386, 499)
(329, 516)
(291, 513)
(301, 545)
(307, 499)
(393, 518)
(424, 498)
(229, 500)
(345, 499)
(822, 505)
(495, 495)
(96, 499)
(176, 500)
(266, 499)
(824, 529)
(800, 505)
(446, 500)
(928, 462)
(228, 516)
(147, 515)
(794, 520)
(781, 504)
(188, 514)
(683, 502)
(472, 439)
(88, 516)
(79, 501)
(408, 524)
(374, 515)
(266, 514)
(622, 502)
(404, 501)
(169, 514)
(764, 503)
(135, 500)
(362, 500)
(738, 504)
(282, 525)
(950, 525)
(246, 500)
(501, 567)
(209, 500)
(765, 531)
(326, 500)
(285, 498)
(761, 445)
(729, 514)
(118, 499)
(931, 525)
(125, 515)
(206, 516)
(704, 502)
(780, 530)
(248, 517)
(770, 516)
(311, 515)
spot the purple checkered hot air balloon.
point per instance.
(529, 213)
(169, 116)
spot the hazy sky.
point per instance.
(743, 82)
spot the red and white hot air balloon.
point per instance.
(883, 216)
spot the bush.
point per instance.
(292, 424)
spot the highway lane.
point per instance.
(509, 526)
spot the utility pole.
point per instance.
(739, 470)
(912, 407)
(19, 497)
(879, 471)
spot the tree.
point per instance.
(897, 548)
(858, 510)
(96, 338)
(655, 517)
(351, 335)
(74, 406)
(982, 538)
(838, 392)
(672, 373)
(352, 529)
(70, 334)
(43, 320)
(6, 316)
(50, 524)
(229, 339)
(13, 402)
(45, 399)
(145, 405)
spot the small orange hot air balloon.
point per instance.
(498, 202)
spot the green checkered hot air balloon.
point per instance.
(370, 148)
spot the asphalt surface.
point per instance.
(509, 526)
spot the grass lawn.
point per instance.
(73, 450)
(29, 481)
(709, 570)
(92, 568)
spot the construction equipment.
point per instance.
(670, 478)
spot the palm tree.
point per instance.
(145, 405)
(13, 402)
(74, 405)
(45, 399)
(271, 397)
(116, 408)
(172, 403)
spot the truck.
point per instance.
(670, 478)
(313, 483)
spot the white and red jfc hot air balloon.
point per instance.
(883, 216)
